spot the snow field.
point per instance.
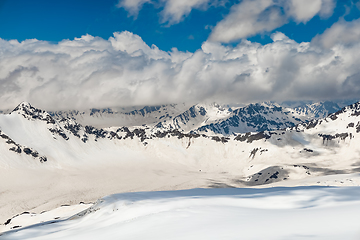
(269, 213)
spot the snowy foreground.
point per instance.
(268, 213)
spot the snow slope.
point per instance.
(84, 163)
(272, 213)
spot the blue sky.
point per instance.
(58, 20)
(86, 54)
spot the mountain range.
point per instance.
(49, 158)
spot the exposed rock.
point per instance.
(329, 137)
(249, 137)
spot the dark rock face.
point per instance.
(175, 133)
(73, 128)
(220, 139)
(312, 124)
(328, 137)
(17, 148)
(99, 133)
(129, 134)
(140, 133)
(29, 112)
(7, 222)
(202, 111)
(253, 152)
(249, 137)
(267, 175)
(59, 132)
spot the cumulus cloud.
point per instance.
(251, 17)
(342, 32)
(92, 72)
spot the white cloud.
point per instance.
(247, 19)
(251, 17)
(174, 11)
(342, 32)
(132, 6)
(135, 46)
(304, 10)
(92, 72)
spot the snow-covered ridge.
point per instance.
(205, 118)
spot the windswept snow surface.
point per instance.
(268, 213)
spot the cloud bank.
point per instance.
(92, 72)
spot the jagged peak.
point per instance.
(23, 106)
(30, 112)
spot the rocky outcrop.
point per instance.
(19, 149)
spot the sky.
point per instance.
(93, 54)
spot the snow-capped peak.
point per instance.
(24, 107)
(30, 112)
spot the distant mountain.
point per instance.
(254, 118)
(206, 118)
(195, 117)
(147, 115)
(317, 110)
